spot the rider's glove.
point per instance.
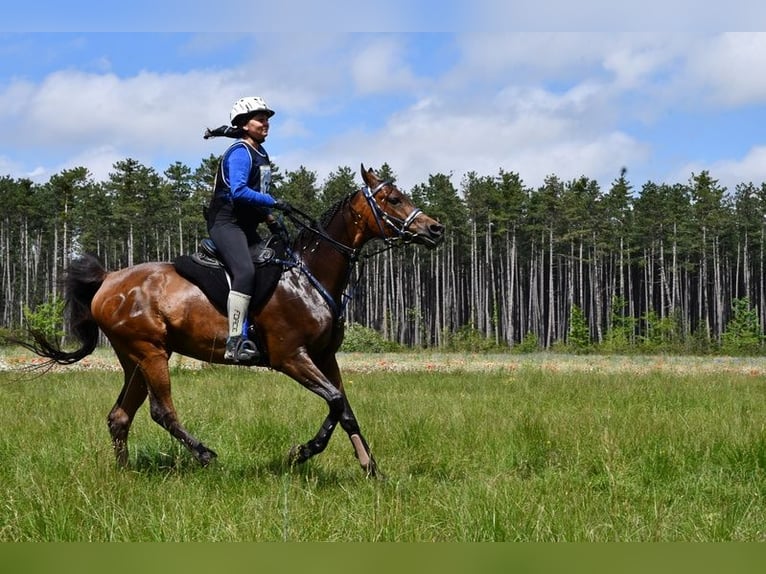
(282, 206)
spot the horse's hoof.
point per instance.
(122, 460)
(371, 470)
(205, 456)
(298, 454)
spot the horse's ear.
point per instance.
(367, 175)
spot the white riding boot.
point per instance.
(238, 348)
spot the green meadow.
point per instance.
(531, 451)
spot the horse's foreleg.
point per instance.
(121, 416)
(302, 369)
(349, 423)
(329, 387)
(340, 411)
(361, 448)
(163, 412)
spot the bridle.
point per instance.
(400, 226)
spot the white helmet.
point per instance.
(248, 105)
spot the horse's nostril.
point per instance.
(436, 229)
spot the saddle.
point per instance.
(207, 271)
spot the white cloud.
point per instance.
(13, 99)
(751, 168)
(538, 104)
(526, 57)
(9, 166)
(147, 109)
(99, 161)
(425, 140)
(380, 67)
(729, 69)
(633, 65)
(70, 111)
(482, 116)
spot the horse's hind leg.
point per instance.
(121, 416)
(157, 376)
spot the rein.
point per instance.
(305, 221)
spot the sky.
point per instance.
(466, 95)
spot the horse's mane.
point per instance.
(306, 233)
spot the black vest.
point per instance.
(222, 188)
(250, 214)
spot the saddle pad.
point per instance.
(212, 280)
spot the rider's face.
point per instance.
(257, 127)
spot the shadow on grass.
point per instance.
(280, 466)
(149, 461)
(178, 462)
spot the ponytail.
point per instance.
(225, 131)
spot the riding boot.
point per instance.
(238, 348)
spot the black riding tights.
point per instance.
(232, 240)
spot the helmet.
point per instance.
(247, 106)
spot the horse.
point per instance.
(149, 311)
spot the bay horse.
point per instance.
(149, 311)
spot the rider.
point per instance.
(241, 200)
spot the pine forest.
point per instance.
(565, 266)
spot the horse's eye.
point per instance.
(394, 200)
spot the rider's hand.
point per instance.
(282, 206)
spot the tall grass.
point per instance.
(528, 455)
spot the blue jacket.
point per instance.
(244, 175)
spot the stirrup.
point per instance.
(239, 349)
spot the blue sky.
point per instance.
(664, 104)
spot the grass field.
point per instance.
(474, 448)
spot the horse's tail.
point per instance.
(84, 278)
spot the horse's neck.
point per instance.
(329, 263)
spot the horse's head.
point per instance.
(392, 216)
